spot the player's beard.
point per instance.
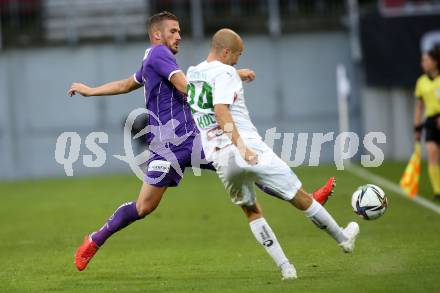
(174, 48)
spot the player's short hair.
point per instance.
(434, 53)
(157, 18)
(225, 38)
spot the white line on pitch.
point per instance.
(364, 174)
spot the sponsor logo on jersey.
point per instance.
(159, 166)
(205, 120)
(215, 132)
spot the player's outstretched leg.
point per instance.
(149, 198)
(266, 237)
(323, 220)
(322, 194)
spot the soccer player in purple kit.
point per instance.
(164, 84)
(173, 129)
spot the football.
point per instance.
(369, 201)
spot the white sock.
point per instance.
(265, 236)
(323, 220)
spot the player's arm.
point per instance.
(179, 81)
(418, 116)
(226, 123)
(112, 88)
(246, 74)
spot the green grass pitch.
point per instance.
(197, 241)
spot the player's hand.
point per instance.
(247, 75)
(418, 131)
(79, 88)
(250, 156)
(418, 136)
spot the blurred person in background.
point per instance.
(427, 93)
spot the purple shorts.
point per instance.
(167, 164)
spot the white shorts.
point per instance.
(271, 174)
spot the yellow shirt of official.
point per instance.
(428, 90)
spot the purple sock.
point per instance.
(122, 217)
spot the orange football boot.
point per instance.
(322, 194)
(85, 252)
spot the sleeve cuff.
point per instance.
(223, 103)
(137, 81)
(172, 73)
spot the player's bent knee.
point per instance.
(252, 212)
(145, 209)
(302, 200)
(149, 198)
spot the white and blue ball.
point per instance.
(369, 201)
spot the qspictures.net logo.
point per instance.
(346, 145)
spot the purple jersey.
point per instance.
(170, 113)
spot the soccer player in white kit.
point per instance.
(241, 158)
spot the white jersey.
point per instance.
(212, 83)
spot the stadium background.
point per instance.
(294, 46)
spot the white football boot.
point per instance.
(351, 231)
(287, 271)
